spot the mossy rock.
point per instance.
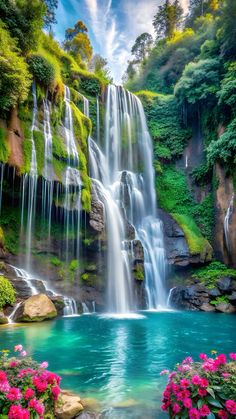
(36, 309)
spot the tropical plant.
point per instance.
(7, 292)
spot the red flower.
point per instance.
(40, 384)
(223, 414)
(16, 412)
(184, 382)
(221, 359)
(232, 356)
(231, 406)
(187, 403)
(196, 380)
(56, 391)
(202, 392)
(184, 394)
(35, 405)
(29, 394)
(176, 408)
(194, 414)
(203, 357)
(204, 411)
(204, 382)
(14, 394)
(3, 376)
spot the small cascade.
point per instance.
(31, 181)
(228, 215)
(48, 174)
(94, 306)
(12, 315)
(169, 297)
(98, 121)
(70, 308)
(85, 308)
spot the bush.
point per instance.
(202, 389)
(211, 273)
(7, 292)
(28, 390)
(41, 69)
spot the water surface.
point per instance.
(118, 361)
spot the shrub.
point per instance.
(42, 70)
(211, 273)
(27, 389)
(202, 389)
(7, 292)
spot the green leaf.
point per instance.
(214, 402)
(222, 396)
(211, 416)
(200, 403)
(211, 392)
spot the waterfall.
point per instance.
(228, 215)
(12, 315)
(124, 178)
(70, 307)
(98, 121)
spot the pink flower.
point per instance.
(204, 411)
(184, 382)
(196, 380)
(40, 384)
(14, 394)
(231, 406)
(187, 403)
(164, 406)
(23, 353)
(56, 391)
(29, 394)
(221, 359)
(18, 348)
(3, 376)
(44, 365)
(194, 414)
(184, 394)
(16, 412)
(202, 392)
(36, 406)
(225, 375)
(176, 408)
(188, 360)
(13, 364)
(172, 374)
(4, 386)
(203, 357)
(210, 365)
(232, 356)
(223, 414)
(204, 382)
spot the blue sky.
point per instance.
(113, 26)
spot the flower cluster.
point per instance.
(27, 390)
(202, 389)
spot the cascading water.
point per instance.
(228, 215)
(125, 182)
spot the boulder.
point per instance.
(207, 307)
(232, 297)
(225, 308)
(214, 292)
(224, 284)
(69, 406)
(3, 318)
(36, 309)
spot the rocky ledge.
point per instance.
(220, 298)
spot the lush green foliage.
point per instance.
(7, 292)
(211, 273)
(4, 147)
(41, 69)
(15, 78)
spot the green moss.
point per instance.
(10, 223)
(4, 146)
(220, 300)
(198, 245)
(59, 148)
(211, 273)
(89, 278)
(74, 265)
(39, 146)
(2, 238)
(59, 166)
(55, 261)
(7, 292)
(27, 154)
(82, 127)
(139, 273)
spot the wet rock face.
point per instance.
(35, 309)
(177, 251)
(97, 216)
(198, 297)
(225, 247)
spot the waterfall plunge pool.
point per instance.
(117, 362)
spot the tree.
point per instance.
(142, 46)
(79, 27)
(24, 20)
(168, 19)
(200, 81)
(228, 33)
(50, 16)
(80, 47)
(97, 63)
